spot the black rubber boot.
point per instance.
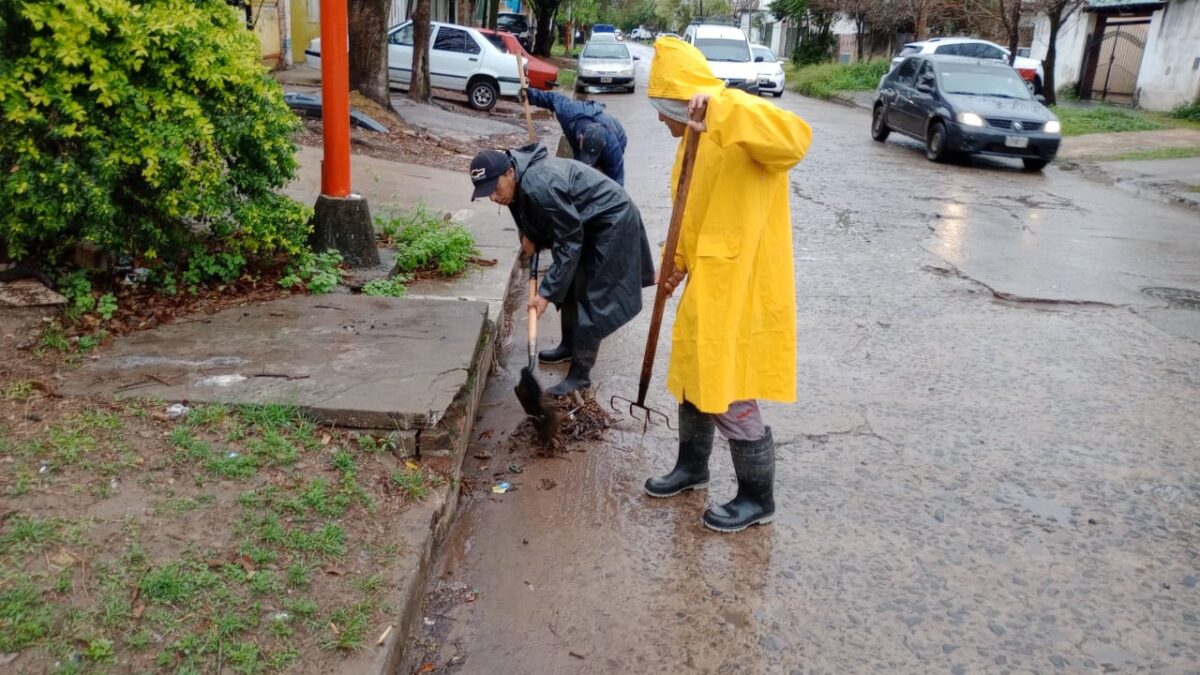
(695, 445)
(754, 464)
(579, 375)
(568, 316)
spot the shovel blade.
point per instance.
(529, 393)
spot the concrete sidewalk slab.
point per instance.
(353, 361)
(1109, 146)
(1176, 180)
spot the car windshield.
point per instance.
(512, 22)
(1001, 82)
(723, 49)
(605, 50)
(766, 55)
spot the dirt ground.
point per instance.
(222, 539)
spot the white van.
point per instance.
(728, 54)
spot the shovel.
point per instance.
(529, 390)
(691, 141)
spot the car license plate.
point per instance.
(1016, 141)
(606, 80)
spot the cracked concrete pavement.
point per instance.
(991, 465)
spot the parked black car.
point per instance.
(965, 106)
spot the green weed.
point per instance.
(329, 541)
(320, 273)
(299, 574)
(26, 534)
(426, 241)
(319, 497)
(24, 617)
(1190, 112)
(301, 608)
(177, 583)
(265, 582)
(412, 482)
(351, 624)
(18, 390)
(395, 287)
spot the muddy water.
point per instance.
(991, 466)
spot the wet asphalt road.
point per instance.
(992, 465)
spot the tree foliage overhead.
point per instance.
(139, 125)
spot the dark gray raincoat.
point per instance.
(595, 233)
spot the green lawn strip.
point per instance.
(827, 80)
(1160, 153)
(256, 604)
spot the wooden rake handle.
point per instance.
(528, 114)
(691, 141)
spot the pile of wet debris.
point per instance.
(581, 418)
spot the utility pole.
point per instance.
(341, 219)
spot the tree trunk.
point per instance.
(1049, 85)
(419, 87)
(368, 49)
(544, 40)
(493, 13)
(466, 16)
(859, 25)
(1014, 32)
(922, 22)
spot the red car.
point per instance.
(542, 74)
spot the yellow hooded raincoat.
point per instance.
(735, 329)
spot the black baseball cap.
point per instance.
(594, 139)
(486, 169)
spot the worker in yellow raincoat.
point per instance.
(734, 339)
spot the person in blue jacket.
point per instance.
(596, 138)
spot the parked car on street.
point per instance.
(620, 35)
(1030, 69)
(603, 37)
(606, 64)
(770, 71)
(460, 59)
(641, 33)
(959, 105)
(542, 74)
(728, 54)
(517, 24)
(604, 28)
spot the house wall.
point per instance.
(266, 28)
(1170, 73)
(1072, 43)
(306, 25)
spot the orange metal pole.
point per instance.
(335, 99)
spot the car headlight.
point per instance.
(587, 71)
(1053, 127)
(970, 119)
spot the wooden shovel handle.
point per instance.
(691, 142)
(533, 315)
(528, 114)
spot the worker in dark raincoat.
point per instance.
(596, 138)
(597, 239)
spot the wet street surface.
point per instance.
(992, 464)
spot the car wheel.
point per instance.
(483, 94)
(778, 93)
(632, 88)
(935, 143)
(1037, 86)
(1034, 164)
(879, 127)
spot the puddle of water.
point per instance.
(1042, 505)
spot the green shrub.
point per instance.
(1191, 113)
(827, 79)
(144, 126)
(424, 241)
(320, 272)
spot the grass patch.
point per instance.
(348, 626)
(566, 79)
(426, 241)
(1102, 120)
(25, 534)
(826, 80)
(1161, 153)
(1190, 113)
(25, 617)
(414, 482)
(18, 390)
(394, 287)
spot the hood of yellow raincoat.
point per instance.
(679, 71)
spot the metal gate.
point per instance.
(1116, 59)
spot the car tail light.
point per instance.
(1028, 73)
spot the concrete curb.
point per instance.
(422, 530)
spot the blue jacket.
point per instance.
(574, 116)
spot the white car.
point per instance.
(770, 71)
(1030, 69)
(640, 33)
(460, 59)
(728, 54)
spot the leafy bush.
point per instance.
(143, 126)
(426, 242)
(1102, 120)
(827, 79)
(1191, 113)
